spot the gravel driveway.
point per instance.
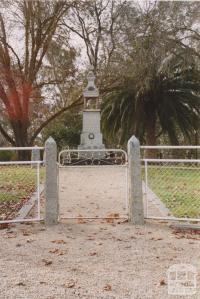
(92, 260)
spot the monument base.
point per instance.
(90, 154)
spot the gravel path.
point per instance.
(93, 191)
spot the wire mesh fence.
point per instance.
(21, 184)
(172, 188)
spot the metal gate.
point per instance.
(93, 184)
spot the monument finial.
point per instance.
(91, 91)
(91, 68)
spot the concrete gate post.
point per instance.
(136, 210)
(51, 184)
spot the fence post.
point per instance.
(136, 211)
(35, 156)
(51, 187)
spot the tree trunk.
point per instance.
(20, 130)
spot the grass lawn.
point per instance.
(17, 183)
(178, 187)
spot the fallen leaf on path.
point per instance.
(59, 242)
(70, 284)
(111, 217)
(156, 239)
(20, 284)
(90, 238)
(107, 287)
(29, 240)
(118, 239)
(93, 253)
(61, 252)
(187, 234)
(47, 262)
(25, 233)
(162, 282)
(57, 251)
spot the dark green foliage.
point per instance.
(167, 102)
(65, 130)
(117, 113)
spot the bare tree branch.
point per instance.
(45, 123)
(5, 134)
(15, 54)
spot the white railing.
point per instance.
(170, 146)
(21, 148)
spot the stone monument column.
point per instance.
(91, 137)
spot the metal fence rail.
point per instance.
(171, 152)
(172, 189)
(21, 184)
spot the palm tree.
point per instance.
(167, 98)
